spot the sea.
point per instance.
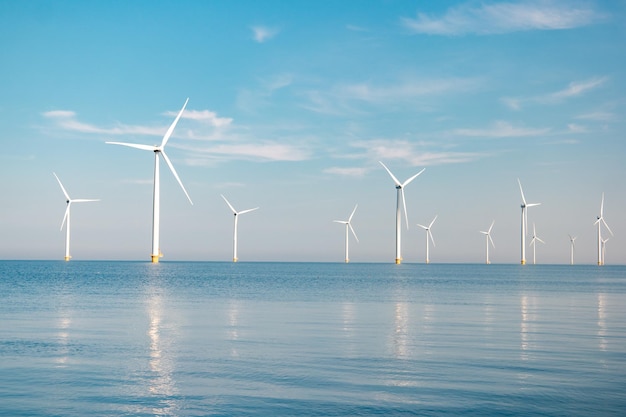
(86, 338)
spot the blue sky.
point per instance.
(292, 105)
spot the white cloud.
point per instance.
(263, 33)
(575, 128)
(599, 116)
(66, 120)
(574, 89)
(267, 151)
(205, 116)
(495, 18)
(501, 129)
(412, 153)
(346, 172)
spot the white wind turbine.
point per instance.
(534, 241)
(236, 213)
(400, 196)
(348, 226)
(156, 205)
(572, 239)
(599, 222)
(66, 217)
(429, 234)
(524, 206)
(604, 248)
(487, 240)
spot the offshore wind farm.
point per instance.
(300, 131)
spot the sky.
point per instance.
(291, 107)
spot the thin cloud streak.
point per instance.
(498, 18)
(574, 89)
(501, 129)
(262, 34)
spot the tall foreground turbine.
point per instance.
(429, 234)
(525, 207)
(487, 240)
(600, 222)
(400, 196)
(156, 204)
(236, 213)
(571, 249)
(348, 226)
(533, 242)
(66, 217)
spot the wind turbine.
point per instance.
(604, 248)
(524, 206)
(428, 234)
(236, 213)
(534, 241)
(400, 196)
(348, 226)
(66, 217)
(571, 249)
(599, 222)
(487, 240)
(156, 205)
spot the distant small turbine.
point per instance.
(534, 240)
(400, 196)
(429, 234)
(66, 217)
(236, 213)
(487, 240)
(571, 249)
(525, 207)
(604, 248)
(348, 226)
(599, 222)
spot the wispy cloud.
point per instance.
(574, 89)
(252, 99)
(415, 154)
(501, 129)
(598, 116)
(266, 151)
(262, 34)
(346, 172)
(67, 120)
(496, 18)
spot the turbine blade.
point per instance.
(84, 200)
(353, 232)
(406, 216)
(67, 214)
(412, 178)
(602, 206)
(480, 231)
(173, 125)
(607, 226)
(340, 221)
(541, 241)
(134, 145)
(392, 176)
(431, 223)
(491, 240)
(521, 191)
(431, 237)
(62, 188)
(491, 227)
(248, 210)
(423, 227)
(533, 204)
(169, 164)
(350, 218)
(229, 205)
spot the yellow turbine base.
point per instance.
(235, 259)
(155, 259)
(398, 261)
(67, 258)
(523, 261)
(347, 260)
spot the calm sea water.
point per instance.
(311, 339)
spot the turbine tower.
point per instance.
(348, 226)
(66, 217)
(429, 234)
(400, 196)
(487, 240)
(571, 248)
(525, 207)
(236, 213)
(600, 222)
(604, 248)
(534, 241)
(156, 204)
